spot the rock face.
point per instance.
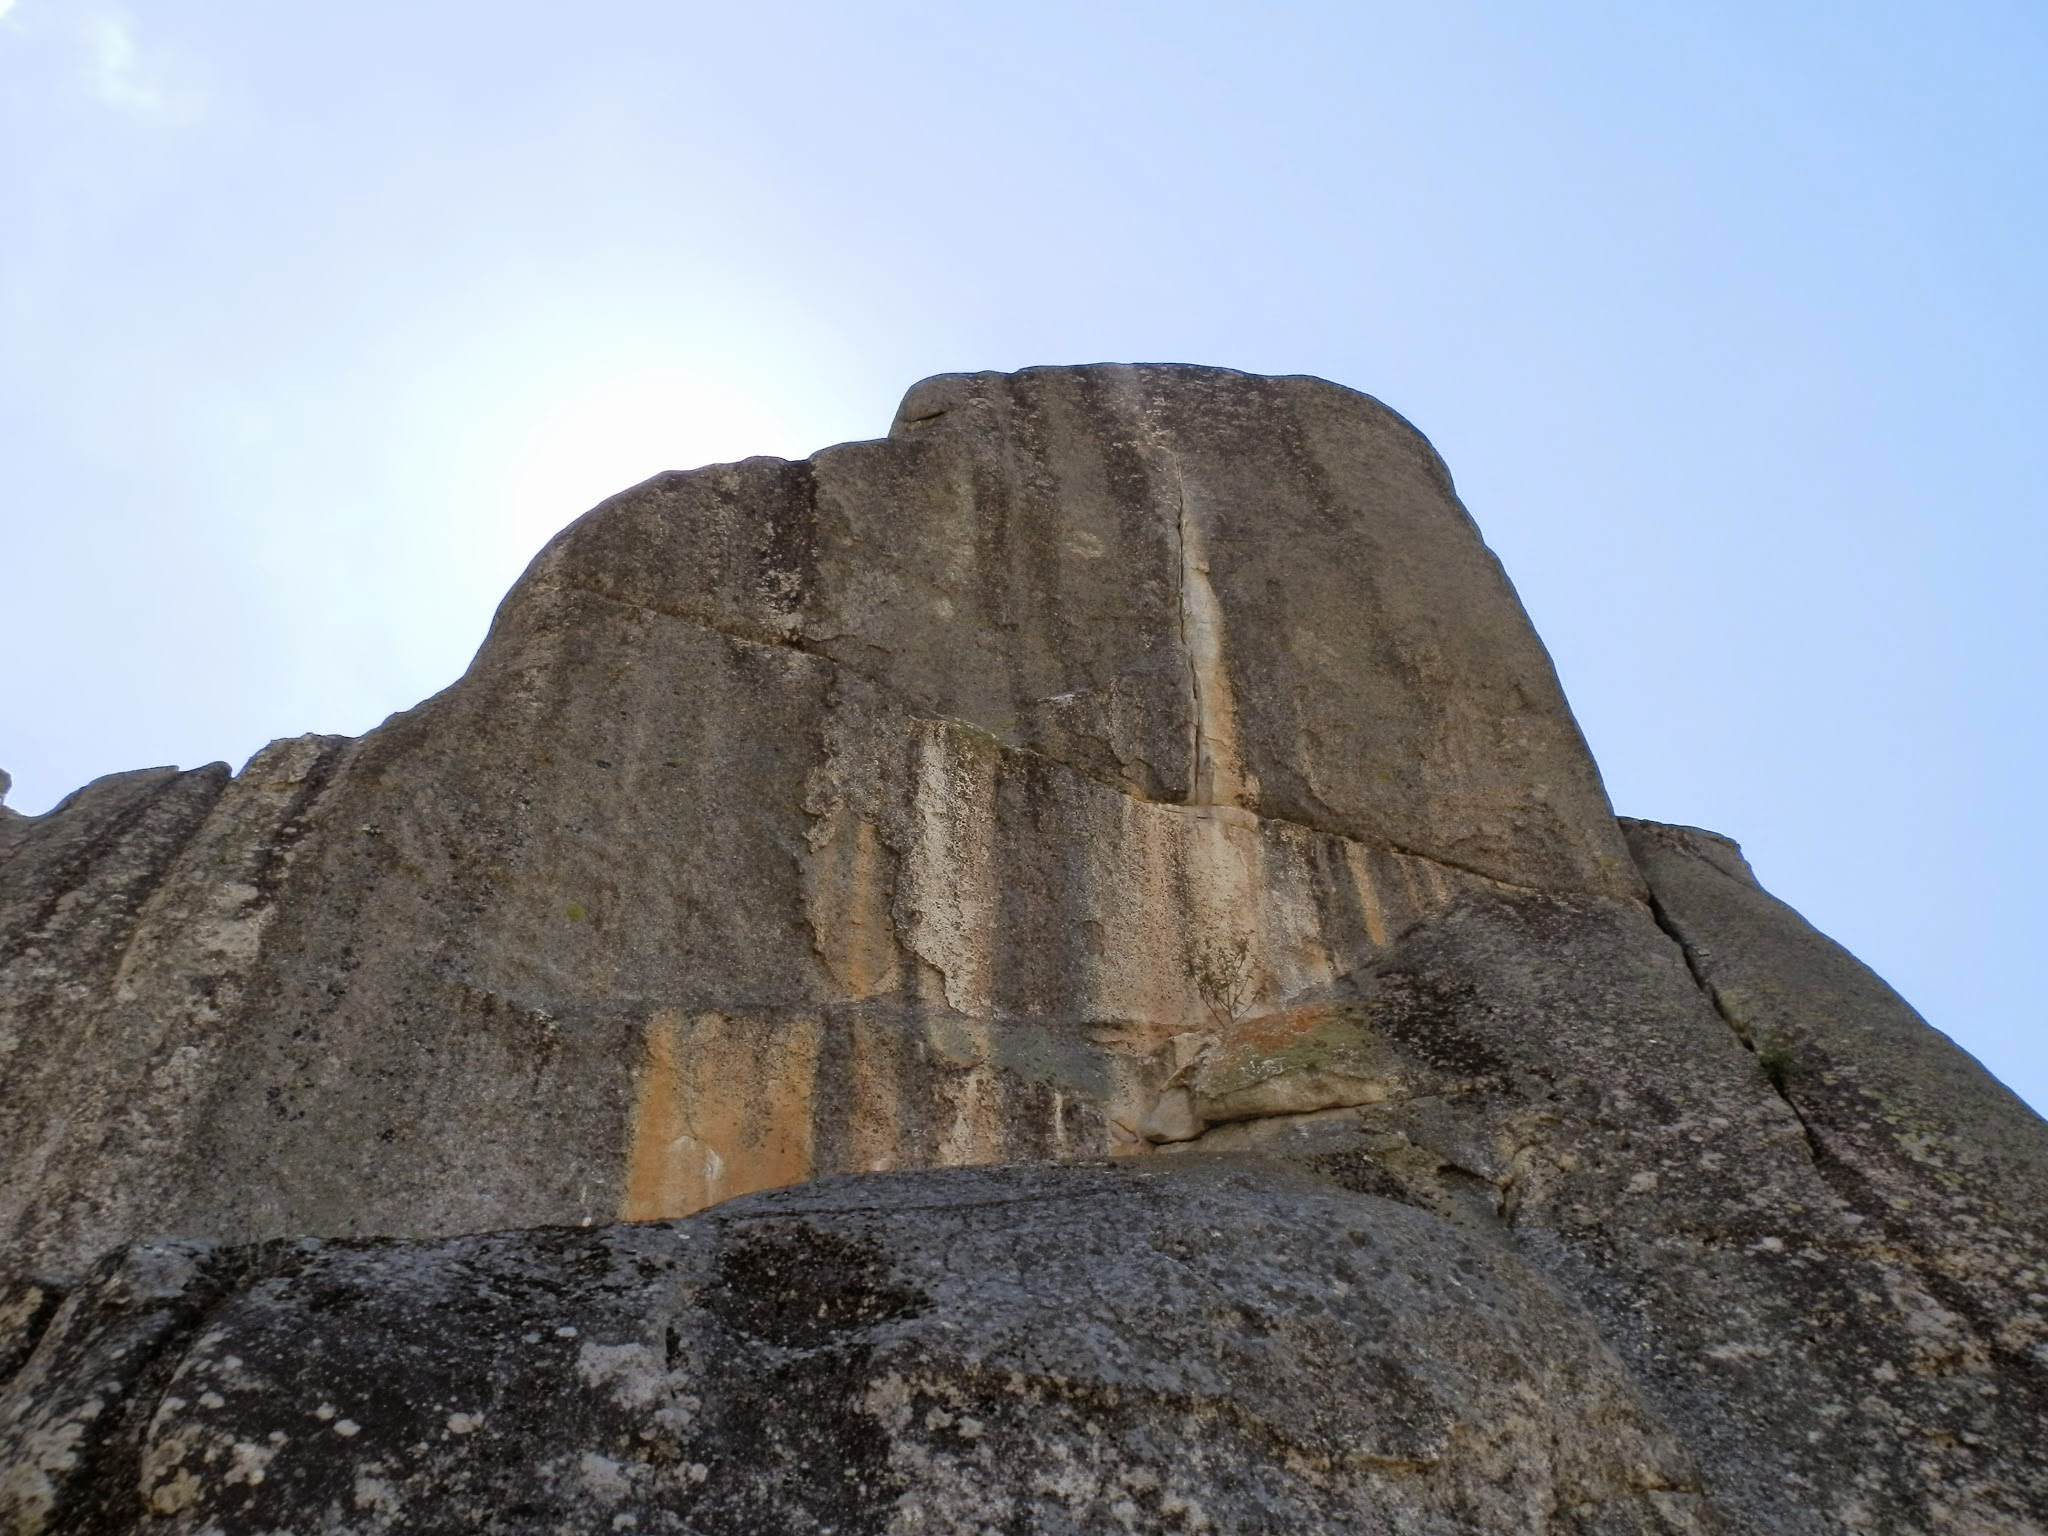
(1142, 778)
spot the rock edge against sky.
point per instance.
(1118, 849)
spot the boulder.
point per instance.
(1064, 969)
(1070, 1349)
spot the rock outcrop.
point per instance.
(1142, 779)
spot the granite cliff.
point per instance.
(1066, 969)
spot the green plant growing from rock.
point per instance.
(1222, 972)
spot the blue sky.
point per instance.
(316, 321)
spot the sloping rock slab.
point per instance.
(1216, 1346)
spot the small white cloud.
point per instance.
(115, 78)
(121, 76)
(6, 6)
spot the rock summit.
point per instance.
(1066, 969)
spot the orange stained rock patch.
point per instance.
(1285, 1027)
(724, 1109)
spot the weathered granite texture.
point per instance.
(1011, 1349)
(1141, 764)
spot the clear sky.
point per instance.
(316, 321)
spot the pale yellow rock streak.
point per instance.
(1218, 773)
(970, 1089)
(1191, 918)
(847, 901)
(1201, 912)
(950, 874)
(1368, 893)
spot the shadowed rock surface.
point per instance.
(1009, 1349)
(1133, 763)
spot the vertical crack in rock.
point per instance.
(1216, 768)
(1226, 960)
(1187, 649)
(1664, 920)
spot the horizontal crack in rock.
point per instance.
(923, 710)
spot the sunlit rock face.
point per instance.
(931, 801)
(1146, 764)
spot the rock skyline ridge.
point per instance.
(1067, 968)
